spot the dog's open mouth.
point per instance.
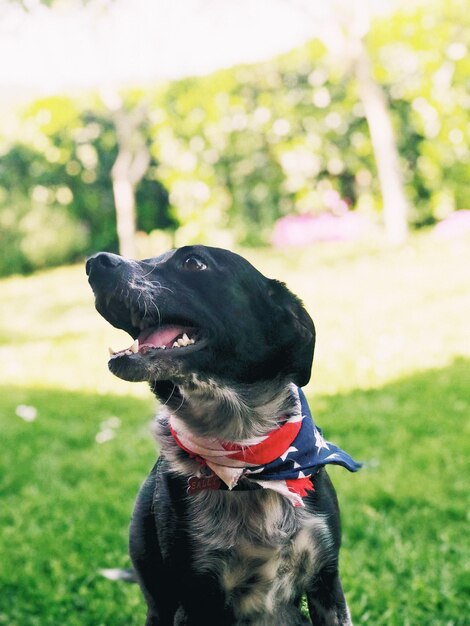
(166, 337)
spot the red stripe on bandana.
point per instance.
(192, 454)
(300, 486)
(275, 444)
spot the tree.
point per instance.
(343, 32)
(395, 205)
(130, 166)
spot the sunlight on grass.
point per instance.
(52, 335)
(380, 315)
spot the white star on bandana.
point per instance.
(288, 451)
(319, 441)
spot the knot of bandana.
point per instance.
(283, 460)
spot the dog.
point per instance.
(226, 530)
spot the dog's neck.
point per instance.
(232, 412)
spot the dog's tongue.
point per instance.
(163, 336)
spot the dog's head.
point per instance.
(204, 311)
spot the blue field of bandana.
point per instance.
(307, 453)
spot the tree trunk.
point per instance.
(128, 170)
(395, 206)
(124, 201)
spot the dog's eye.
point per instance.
(194, 264)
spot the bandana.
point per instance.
(283, 460)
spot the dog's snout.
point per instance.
(103, 261)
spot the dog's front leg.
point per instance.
(147, 560)
(326, 602)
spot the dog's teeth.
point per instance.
(187, 340)
(111, 352)
(192, 341)
(176, 345)
(128, 352)
(162, 347)
(181, 342)
(135, 347)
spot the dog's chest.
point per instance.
(259, 548)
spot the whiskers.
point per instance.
(147, 292)
(157, 283)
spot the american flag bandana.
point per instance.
(283, 460)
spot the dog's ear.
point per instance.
(297, 330)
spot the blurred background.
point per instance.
(328, 142)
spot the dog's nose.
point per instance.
(103, 260)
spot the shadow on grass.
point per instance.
(66, 501)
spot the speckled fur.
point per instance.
(263, 552)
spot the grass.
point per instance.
(391, 384)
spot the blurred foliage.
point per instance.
(422, 59)
(234, 151)
(56, 200)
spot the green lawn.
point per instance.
(391, 384)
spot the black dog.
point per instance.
(224, 349)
